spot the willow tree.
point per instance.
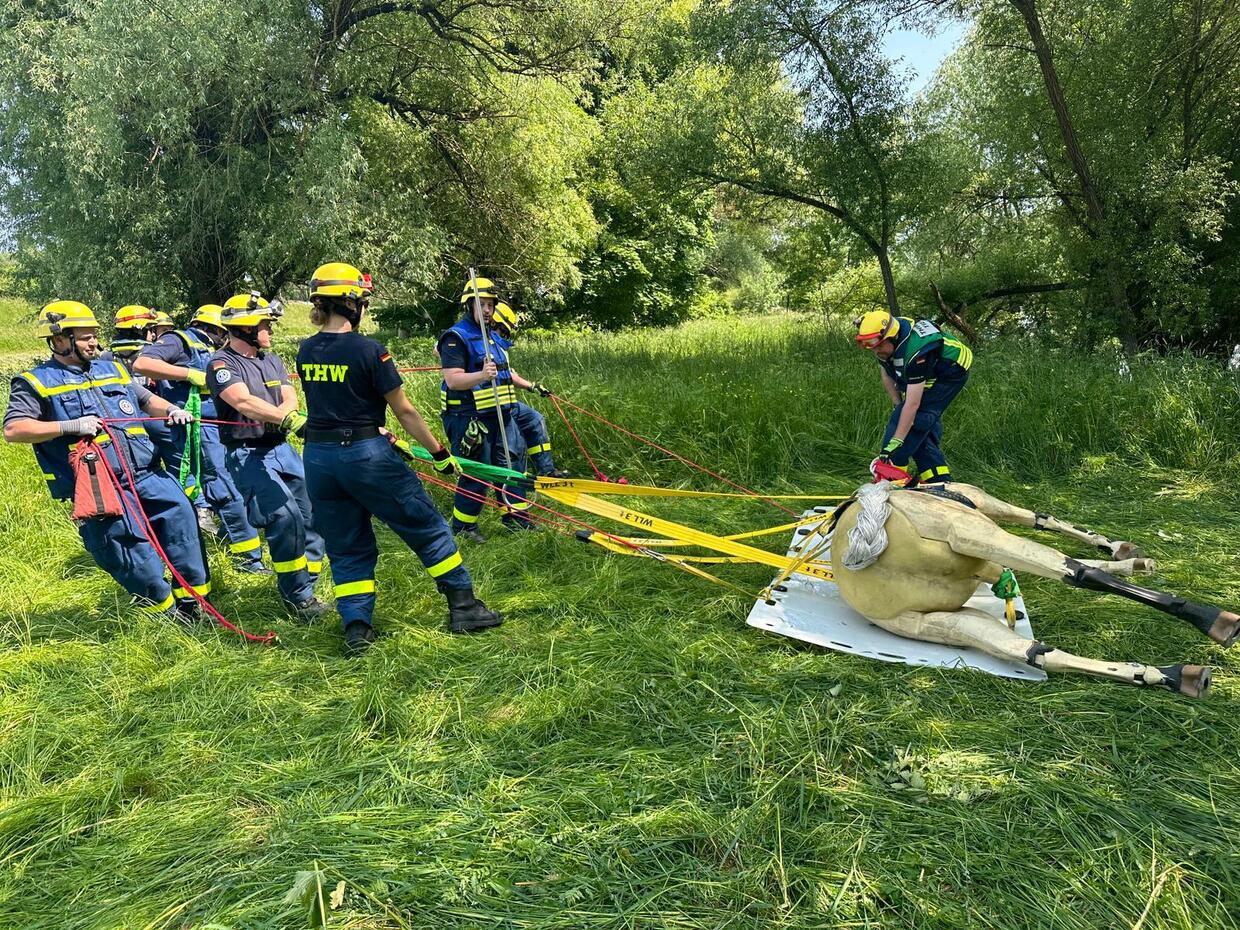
(165, 151)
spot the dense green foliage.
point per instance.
(625, 751)
(1072, 167)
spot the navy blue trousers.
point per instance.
(119, 544)
(349, 485)
(470, 493)
(922, 444)
(272, 483)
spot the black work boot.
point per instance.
(306, 611)
(188, 611)
(467, 614)
(358, 635)
(470, 532)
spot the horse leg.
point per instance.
(972, 628)
(971, 533)
(1003, 512)
(1123, 567)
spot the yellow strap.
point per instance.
(675, 561)
(355, 587)
(678, 531)
(610, 543)
(752, 534)
(442, 568)
(591, 486)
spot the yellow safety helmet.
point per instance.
(163, 318)
(207, 313)
(505, 319)
(874, 327)
(61, 315)
(337, 279)
(478, 287)
(134, 316)
(245, 310)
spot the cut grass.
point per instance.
(625, 752)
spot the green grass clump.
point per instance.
(625, 752)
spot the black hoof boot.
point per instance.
(1190, 680)
(358, 637)
(467, 614)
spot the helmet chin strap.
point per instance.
(73, 349)
(248, 335)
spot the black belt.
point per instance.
(258, 442)
(345, 437)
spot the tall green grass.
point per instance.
(624, 752)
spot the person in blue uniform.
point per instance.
(922, 369)
(134, 327)
(253, 395)
(179, 359)
(354, 474)
(477, 394)
(530, 423)
(65, 399)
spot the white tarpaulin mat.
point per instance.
(813, 611)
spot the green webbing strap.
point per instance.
(1006, 588)
(492, 473)
(191, 458)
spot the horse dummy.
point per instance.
(909, 558)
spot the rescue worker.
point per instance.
(922, 369)
(472, 384)
(135, 327)
(252, 393)
(354, 474)
(530, 423)
(179, 359)
(66, 399)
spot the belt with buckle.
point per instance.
(344, 437)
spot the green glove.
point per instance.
(196, 377)
(294, 422)
(892, 445)
(443, 462)
(540, 388)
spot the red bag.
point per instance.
(94, 493)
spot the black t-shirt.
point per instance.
(344, 377)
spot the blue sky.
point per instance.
(922, 53)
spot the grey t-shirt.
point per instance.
(264, 375)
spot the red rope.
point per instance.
(580, 445)
(679, 458)
(138, 513)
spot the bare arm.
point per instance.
(159, 370)
(288, 399)
(157, 406)
(890, 387)
(30, 430)
(523, 383)
(408, 416)
(912, 401)
(238, 397)
(458, 379)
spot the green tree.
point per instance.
(164, 151)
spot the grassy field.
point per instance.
(625, 752)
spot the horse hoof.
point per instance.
(1190, 680)
(1144, 566)
(1126, 550)
(1226, 628)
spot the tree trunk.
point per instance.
(1094, 207)
(889, 281)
